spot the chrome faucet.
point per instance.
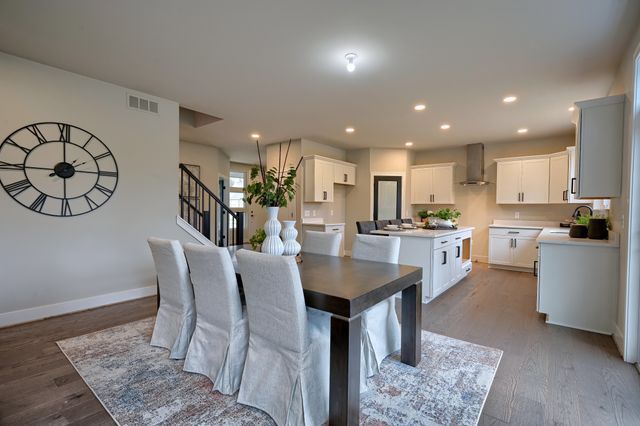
(576, 213)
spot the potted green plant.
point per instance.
(579, 228)
(272, 188)
(448, 218)
(257, 239)
(426, 215)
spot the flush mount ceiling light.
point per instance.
(572, 108)
(408, 143)
(349, 130)
(420, 107)
(255, 136)
(509, 99)
(522, 131)
(445, 126)
(351, 61)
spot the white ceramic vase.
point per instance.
(289, 234)
(272, 244)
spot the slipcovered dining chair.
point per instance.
(286, 373)
(176, 317)
(407, 220)
(395, 222)
(365, 226)
(322, 243)
(380, 224)
(380, 326)
(218, 347)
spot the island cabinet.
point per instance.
(445, 256)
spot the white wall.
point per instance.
(626, 335)
(212, 161)
(71, 263)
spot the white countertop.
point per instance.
(424, 233)
(322, 223)
(561, 236)
(523, 224)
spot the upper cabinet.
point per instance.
(599, 141)
(432, 184)
(559, 178)
(320, 174)
(523, 180)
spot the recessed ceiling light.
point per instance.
(445, 126)
(420, 107)
(523, 130)
(408, 143)
(509, 99)
(351, 61)
(349, 130)
(572, 108)
(255, 136)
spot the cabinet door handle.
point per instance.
(535, 268)
(514, 232)
(565, 195)
(324, 195)
(573, 180)
(515, 243)
(523, 196)
(444, 242)
(458, 238)
(510, 242)
(518, 197)
(335, 229)
(457, 252)
(345, 178)
(444, 261)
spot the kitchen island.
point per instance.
(444, 255)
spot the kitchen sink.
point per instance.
(559, 232)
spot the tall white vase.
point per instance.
(289, 234)
(272, 244)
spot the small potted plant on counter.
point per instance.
(448, 218)
(429, 217)
(579, 229)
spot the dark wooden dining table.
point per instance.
(345, 288)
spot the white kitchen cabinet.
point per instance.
(442, 268)
(523, 180)
(559, 178)
(432, 184)
(344, 174)
(599, 142)
(318, 180)
(513, 247)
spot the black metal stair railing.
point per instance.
(203, 210)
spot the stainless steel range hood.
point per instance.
(475, 165)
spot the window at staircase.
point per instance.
(237, 184)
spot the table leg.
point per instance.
(344, 378)
(411, 350)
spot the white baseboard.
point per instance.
(193, 232)
(618, 338)
(481, 259)
(46, 311)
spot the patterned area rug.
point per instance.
(138, 384)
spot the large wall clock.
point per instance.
(57, 169)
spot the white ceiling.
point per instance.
(278, 68)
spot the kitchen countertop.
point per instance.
(424, 233)
(523, 224)
(322, 223)
(561, 236)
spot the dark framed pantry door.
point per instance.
(387, 197)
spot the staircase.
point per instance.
(207, 214)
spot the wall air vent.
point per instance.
(142, 104)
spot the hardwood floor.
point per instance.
(548, 374)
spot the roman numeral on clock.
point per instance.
(11, 166)
(106, 191)
(35, 131)
(65, 132)
(38, 203)
(11, 142)
(103, 155)
(92, 204)
(65, 208)
(18, 187)
(107, 174)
